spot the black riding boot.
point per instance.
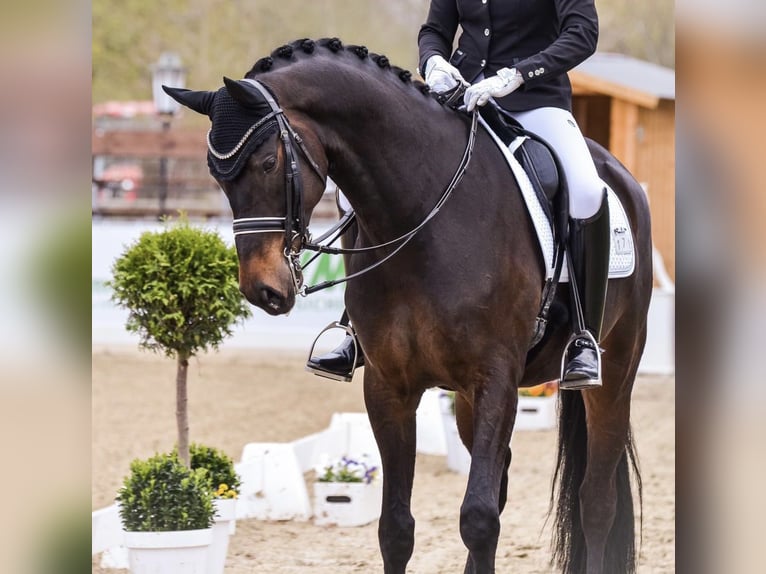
(589, 243)
(340, 363)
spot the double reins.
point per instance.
(404, 239)
(295, 227)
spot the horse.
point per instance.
(453, 308)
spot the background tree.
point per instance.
(180, 287)
(225, 37)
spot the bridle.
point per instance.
(293, 224)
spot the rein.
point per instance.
(402, 240)
(294, 226)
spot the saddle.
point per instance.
(539, 161)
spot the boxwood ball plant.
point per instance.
(180, 288)
(161, 494)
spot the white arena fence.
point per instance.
(311, 314)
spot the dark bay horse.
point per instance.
(455, 307)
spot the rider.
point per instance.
(518, 54)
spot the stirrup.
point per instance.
(329, 374)
(580, 384)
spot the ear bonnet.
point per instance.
(240, 124)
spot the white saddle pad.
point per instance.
(622, 259)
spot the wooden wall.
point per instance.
(147, 144)
(656, 167)
(593, 116)
(191, 190)
(643, 140)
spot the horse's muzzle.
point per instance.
(270, 299)
(264, 277)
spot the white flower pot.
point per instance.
(347, 503)
(176, 552)
(458, 457)
(536, 413)
(225, 515)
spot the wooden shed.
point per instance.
(628, 106)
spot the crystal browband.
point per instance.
(215, 153)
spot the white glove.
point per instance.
(441, 75)
(506, 81)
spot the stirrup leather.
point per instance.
(580, 384)
(329, 374)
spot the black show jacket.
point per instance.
(543, 39)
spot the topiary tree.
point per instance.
(180, 286)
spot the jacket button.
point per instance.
(486, 31)
(483, 63)
(531, 74)
(483, 1)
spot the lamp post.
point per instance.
(168, 71)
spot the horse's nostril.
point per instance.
(272, 298)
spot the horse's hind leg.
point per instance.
(392, 416)
(605, 495)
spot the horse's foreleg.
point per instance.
(494, 411)
(464, 417)
(392, 417)
(504, 481)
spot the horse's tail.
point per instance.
(569, 550)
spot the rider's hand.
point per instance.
(506, 81)
(441, 75)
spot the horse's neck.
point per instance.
(394, 168)
(390, 149)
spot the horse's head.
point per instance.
(271, 180)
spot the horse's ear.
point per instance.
(199, 101)
(243, 93)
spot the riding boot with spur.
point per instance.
(340, 363)
(589, 244)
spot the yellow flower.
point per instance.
(223, 487)
(543, 390)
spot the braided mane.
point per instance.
(306, 48)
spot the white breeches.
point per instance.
(559, 128)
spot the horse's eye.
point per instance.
(270, 163)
